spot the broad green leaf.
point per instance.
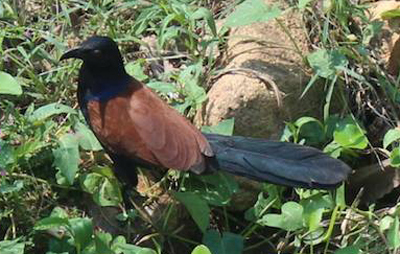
(82, 231)
(333, 149)
(229, 243)
(225, 127)
(66, 157)
(91, 182)
(385, 223)
(314, 208)
(102, 242)
(6, 154)
(59, 213)
(395, 157)
(201, 249)
(390, 137)
(12, 247)
(48, 110)
(197, 207)
(9, 188)
(87, 140)
(136, 70)
(133, 249)
(162, 87)
(9, 85)
(349, 134)
(290, 219)
(325, 62)
(349, 250)
(108, 194)
(264, 204)
(207, 15)
(310, 129)
(217, 189)
(252, 11)
(393, 234)
(50, 223)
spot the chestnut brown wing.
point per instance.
(171, 138)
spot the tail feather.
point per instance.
(280, 163)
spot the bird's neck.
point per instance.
(102, 86)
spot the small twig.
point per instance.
(265, 78)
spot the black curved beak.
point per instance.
(72, 53)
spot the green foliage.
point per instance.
(252, 11)
(197, 207)
(49, 157)
(201, 249)
(228, 243)
(80, 235)
(9, 85)
(12, 247)
(290, 219)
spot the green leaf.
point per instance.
(303, 3)
(207, 15)
(395, 157)
(385, 223)
(325, 62)
(229, 243)
(87, 140)
(133, 249)
(162, 87)
(390, 14)
(12, 247)
(252, 11)
(59, 213)
(7, 154)
(50, 223)
(264, 204)
(225, 127)
(201, 249)
(136, 70)
(349, 134)
(349, 250)
(393, 234)
(91, 182)
(390, 137)
(314, 207)
(66, 157)
(311, 130)
(197, 207)
(333, 149)
(290, 219)
(190, 78)
(5, 188)
(82, 231)
(109, 193)
(217, 189)
(102, 242)
(48, 110)
(9, 85)
(372, 29)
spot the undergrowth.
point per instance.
(58, 193)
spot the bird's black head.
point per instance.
(98, 53)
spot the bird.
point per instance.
(137, 128)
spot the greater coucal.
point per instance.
(136, 127)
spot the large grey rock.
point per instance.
(263, 65)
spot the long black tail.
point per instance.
(280, 163)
